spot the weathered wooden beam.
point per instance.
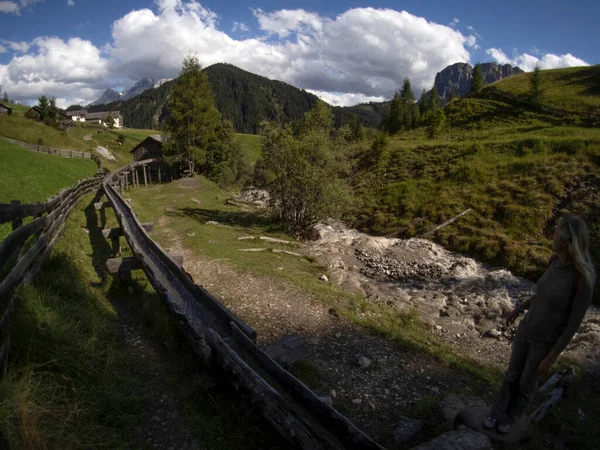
(116, 232)
(286, 350)
(145, 177)
(130, 263)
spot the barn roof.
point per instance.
(160, 138)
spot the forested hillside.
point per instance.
(243, 98)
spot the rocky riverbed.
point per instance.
(461, 299)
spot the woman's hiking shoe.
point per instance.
(505, 426)
(489, 422)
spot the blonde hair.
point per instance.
(574, 230)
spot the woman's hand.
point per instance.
(512, 316)
(546, 364)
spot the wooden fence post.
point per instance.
(16, 223)
(145, 178)
(159, 172)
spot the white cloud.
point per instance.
(71, 2)
(57, 68)
(345, 99)
(528, 62)
(454, 23)
(362, 51)
(239, 26)
(20, 46)
(3, 49)
(362, 54)
(9, 7)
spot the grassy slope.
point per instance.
(252, 143)
(71, 381)
(573, 89)
(33, 177)
(20, 128)
(510, 166)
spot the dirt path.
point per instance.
(162, 426)
(373, 394)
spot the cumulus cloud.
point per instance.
(2, 49)
(71, 2)
(360, 55)
(361, 51)
(528, 62)
(69, 69)
(454, 23)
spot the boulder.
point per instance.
(462, 439)
(453, 403)
(473, 418)
(406, 429)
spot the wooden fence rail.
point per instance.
(56, 151)
(27, 261)
(225, 343)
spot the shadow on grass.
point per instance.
(242, 218)
(101, 250)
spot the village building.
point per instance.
(77, 116)
(5, 110)
(99, 118)
(151, 147)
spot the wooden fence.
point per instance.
(56, 151)
(23, 252)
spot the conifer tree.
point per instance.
(477, 82)
(453, 94)
(194, 120)
(535, 85)
(394, 115)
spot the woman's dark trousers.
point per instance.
(520, 380)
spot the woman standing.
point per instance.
(555, 312)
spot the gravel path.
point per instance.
(162, 426)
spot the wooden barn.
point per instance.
(151, 147)
(5, 110)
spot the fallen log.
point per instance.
(448, 222)
(252, 249)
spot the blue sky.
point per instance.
(345, 52)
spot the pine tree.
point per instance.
(394, 116)
(194, 119)
(477, 82)
(423, 104)
(406, 93)
(5, 97)
(535, 85)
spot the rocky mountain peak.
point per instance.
(460, 76)
(109, 95)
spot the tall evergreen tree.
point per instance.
(423, 105)
(394, 117)
(477, 82)
(535, 85)
(194, 120)
(406, 93)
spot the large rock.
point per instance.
(460, 76)
(462, 439)
(473, 418)
(406, 429)
(453, 403)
